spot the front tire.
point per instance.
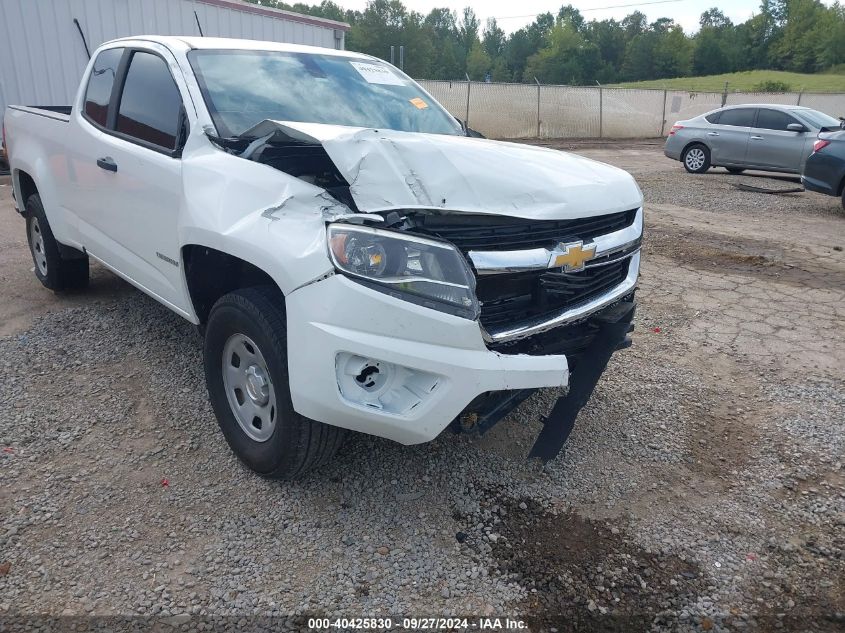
(51, 269)
(696, 158)
(246, 371)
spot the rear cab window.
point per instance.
(100, 84)
(737, 117)
(150, 105)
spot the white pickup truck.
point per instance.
(355, 258)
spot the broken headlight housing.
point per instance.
(412, 268)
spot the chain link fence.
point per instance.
(504, 110)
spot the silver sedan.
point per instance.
(765, 137)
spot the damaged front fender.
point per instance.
(268, 218)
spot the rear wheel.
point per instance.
(735, 170)
(246, 371)
(51, 269)
(696, 159)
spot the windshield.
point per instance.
(817, 119)
(243, 88)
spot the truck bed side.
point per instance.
(38, 139)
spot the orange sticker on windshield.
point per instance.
(419, 103)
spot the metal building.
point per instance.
(44, 44)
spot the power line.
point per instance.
(614, 6)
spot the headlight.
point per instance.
(424, 271)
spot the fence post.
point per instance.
(663, 120)
(538, 106)
(725, 95)
(601, 112)
(800, 94)
(469, 84)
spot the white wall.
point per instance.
(42, 57)
(500, 110)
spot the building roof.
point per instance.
(279, 14)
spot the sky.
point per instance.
(684, 12)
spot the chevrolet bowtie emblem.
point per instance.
(572, 256)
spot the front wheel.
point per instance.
(696, 159)
(246, 372)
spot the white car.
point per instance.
(354, 258)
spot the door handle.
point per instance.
(107, 163)
(756, 138)
(712, 134)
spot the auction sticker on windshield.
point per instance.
(377, 74)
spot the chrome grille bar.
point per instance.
(571, 315)
(494, 262)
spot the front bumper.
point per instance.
(432, 364)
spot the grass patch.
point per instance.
(748, 81)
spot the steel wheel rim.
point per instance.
(36, 244)
(249, 388)
(695, 158)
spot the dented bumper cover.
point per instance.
(430, 365)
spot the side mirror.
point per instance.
(796, 127)
(468, 130)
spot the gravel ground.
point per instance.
(703, 488)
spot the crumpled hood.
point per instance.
(403, 170)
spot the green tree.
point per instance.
(572, 16)
(568, 59)
(805, 23)
(800, 35)
(672, 52)
(494, 39)
(500, 70)
(469, 28)
(714, 18)
(639, 57)
(609, 37)
(478, 62)
(708, 56)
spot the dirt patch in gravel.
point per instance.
(792, 264)
(586, 575)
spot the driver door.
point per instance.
(131, 224)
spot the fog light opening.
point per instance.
(377, 384)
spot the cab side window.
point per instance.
(740, 117)
(773, 120)
(100, 84)
(150, 107)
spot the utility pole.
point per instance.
(401, 58)
(392, 55)
(537, 81)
